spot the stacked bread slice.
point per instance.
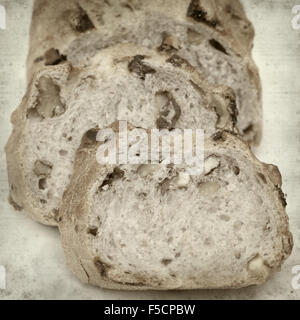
(182, 64)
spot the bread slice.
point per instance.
(215, 36)
(125, 82)
(153, 226)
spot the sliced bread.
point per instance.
(125, 82)
(215, 36)
(153, 226)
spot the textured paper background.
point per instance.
(32, 254)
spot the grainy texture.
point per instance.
(62, 102)
(155, 226)
(36, 249)
(214, 36)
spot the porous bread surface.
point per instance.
(215, 36)
(125, 82)
(139, 227)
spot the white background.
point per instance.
(32, 254)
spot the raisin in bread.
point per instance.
(154, 226)
(125, 82)
(215, 36)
